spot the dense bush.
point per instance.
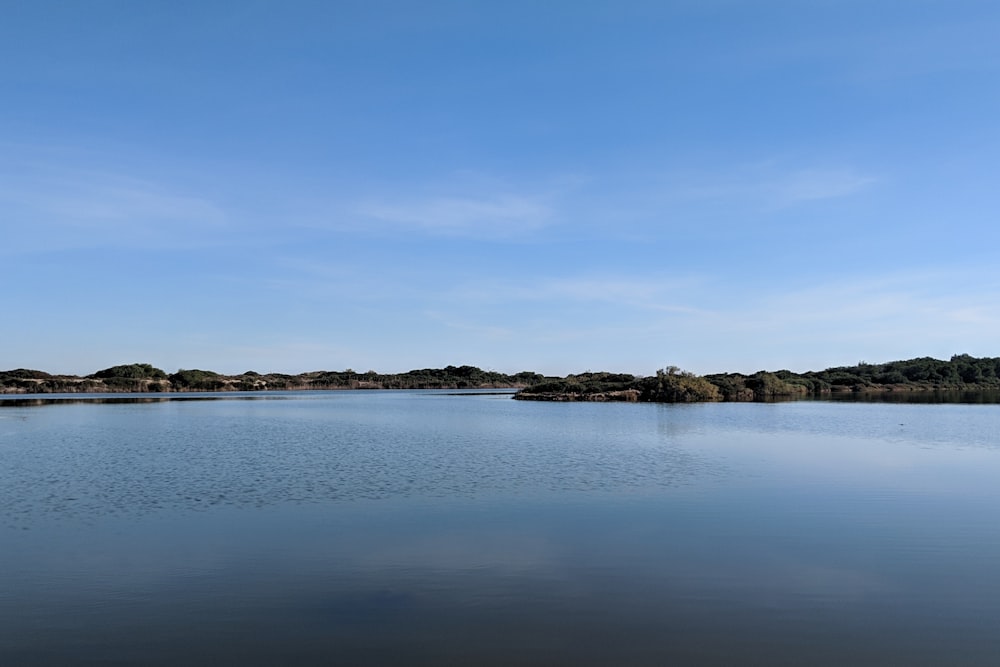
(197, 380)
(673, 386)
(133, 371)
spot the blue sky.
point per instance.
(720, 185)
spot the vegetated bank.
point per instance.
(962, 373)
(669, 385)
(145, 378)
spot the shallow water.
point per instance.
(426, 528)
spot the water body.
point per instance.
(428, 528)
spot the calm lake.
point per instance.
(435, 528)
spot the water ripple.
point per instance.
(88, 460)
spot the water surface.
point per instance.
(426, 528)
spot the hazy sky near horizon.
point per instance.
(550, 186)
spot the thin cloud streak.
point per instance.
(486, 331)
(881, 318)
(878, 318)
(497, 215)
(51, 208)
(652, 292)
(767, 187)
(815, 184)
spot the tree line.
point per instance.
(143, 377)
(670, 384)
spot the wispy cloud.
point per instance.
(876, 317)
(929, 303)
(815, 184)
(489, 215)
(105, 200)
(650, 292)
(768, 186)
(345, 281)
(483, 331)
(50, 206)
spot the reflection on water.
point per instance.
(426, 529)
(37, 400)
(923, 397)
(128, 459)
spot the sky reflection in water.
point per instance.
(418, 528)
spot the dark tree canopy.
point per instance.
(133, 371)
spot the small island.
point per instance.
(668, 385)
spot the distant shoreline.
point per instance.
(668, 385)
(923, 375)
(147, 379)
